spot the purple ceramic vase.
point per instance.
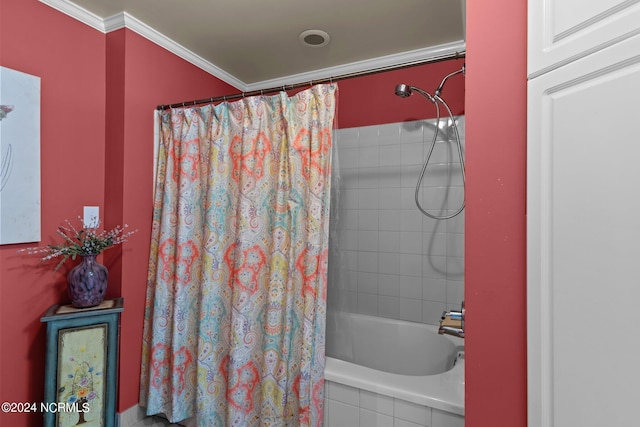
(87, 282)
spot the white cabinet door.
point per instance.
(561, 31)
(583, 241)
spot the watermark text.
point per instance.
(51, 407)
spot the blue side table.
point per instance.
(81, 364)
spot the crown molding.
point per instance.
(125, 20)
(132, 23)
(114, 22)
(77, 12)
(360, 66)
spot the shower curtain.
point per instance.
(236, 296)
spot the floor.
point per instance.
(155, 422)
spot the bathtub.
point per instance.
(378, 370)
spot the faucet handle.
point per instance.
(458, 315)
(452, 322)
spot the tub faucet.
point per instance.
(452, 322)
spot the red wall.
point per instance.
(371, 99)
(97, 100)
(495, 251)
(98, 94)
(69, 58)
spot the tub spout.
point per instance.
(448, 330)
(452, 322)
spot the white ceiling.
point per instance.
(254, 44)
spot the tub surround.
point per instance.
(345, 405)
(395, 262)
(443, 391)
(434, 399)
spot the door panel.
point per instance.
(561, 31)
(583, 241)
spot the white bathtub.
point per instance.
(397, 360)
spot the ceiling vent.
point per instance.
(314, 38)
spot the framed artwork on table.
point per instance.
(81, 365)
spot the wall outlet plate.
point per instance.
(91, 216)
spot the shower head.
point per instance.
(403, 90)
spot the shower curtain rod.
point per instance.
(455, 55)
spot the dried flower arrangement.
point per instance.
(87, 240)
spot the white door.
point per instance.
(583, 241)
(583, 237)
(561, 31)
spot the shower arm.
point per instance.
(437, 92)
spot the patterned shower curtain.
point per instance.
(236, 296)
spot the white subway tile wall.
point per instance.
(396, 262)
(346, 406)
